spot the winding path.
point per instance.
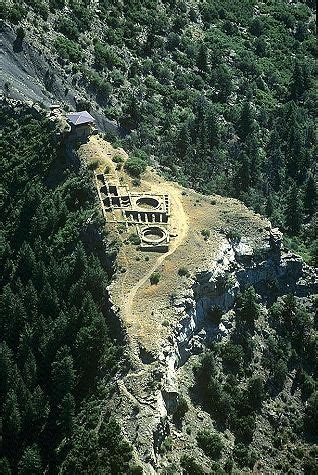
(179, 214)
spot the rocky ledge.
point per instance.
(147, 397)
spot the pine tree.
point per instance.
(212, 129)
(66, 414)
(224, 82)
(246, 121)
(310, 198)
(30, 463)
(11, 423)
(248, 309)
(183, 140)
(298, 81)
(6, 370)
(5, 466)
(202, 58)
(294, 210)
(62, 375)
(242, 179)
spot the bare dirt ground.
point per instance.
(146, 309)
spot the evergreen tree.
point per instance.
(11, 423)
(246, 121)
(62, 375)
(242, 177)
(224, 82)
(310, 198)
(66, 414)
(212, 129)
(5, 466)
(202, 58)
(30, 463)
(294, 210)
(183, 140)
(247, 307)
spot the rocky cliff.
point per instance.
(148, 395)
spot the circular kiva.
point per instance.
(153, 235)
(147, 202)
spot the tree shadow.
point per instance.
(17, 45)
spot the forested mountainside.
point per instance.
(220, 92)
(260, 385)
(56, 347)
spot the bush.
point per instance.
(135, 166)
(181, 409)
(118, 159)
(205, 233)
(190, 466)
(105, 57)
(244, 427)
(211, 443)
(67, 49)
(233, 356)
(135, 239)
(68, 28)
(154, 278)
(183, 271)
(243, 456)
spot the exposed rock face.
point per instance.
(272, 271)
(153, 388)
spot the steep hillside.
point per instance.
(221, 93)
(57, 347)
(195, 294)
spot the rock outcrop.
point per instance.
(147, 398)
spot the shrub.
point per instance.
(154, 278)
(167, 444)
(233, 356)
(241, 455)
(244, 427)
(68, 28)
(118, 159)
(135, 239)
(16, 13)
(183, 271)
(135, 166)
(93, 164)
(181, 409)
(205, 233)
(211, 443)
(233, 235)
(105, 57)
(67, 49)
(190, 466)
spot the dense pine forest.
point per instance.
(220, 92)
(56, 346)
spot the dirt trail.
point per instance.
(174, 244)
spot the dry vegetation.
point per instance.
(199, 225)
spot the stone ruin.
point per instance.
(149, 213)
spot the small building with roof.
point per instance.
(82, 124)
